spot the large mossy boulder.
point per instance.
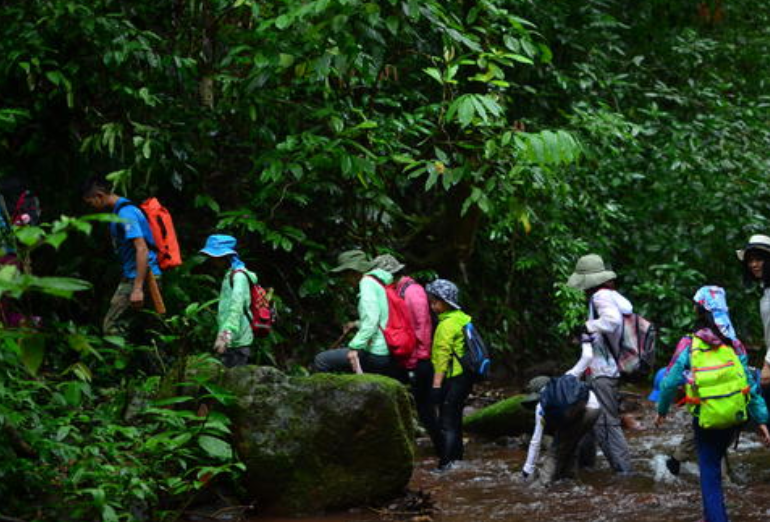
(508, 417)
(320, 442)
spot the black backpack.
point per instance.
(476, 361)
(561, 397)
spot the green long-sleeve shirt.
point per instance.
(234, 302)
(447, 339)
(372, 313)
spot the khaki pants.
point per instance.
(121, 318)
(116, 321)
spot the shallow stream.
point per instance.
(485, 487)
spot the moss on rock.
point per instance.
(319, 442)
(504, 418)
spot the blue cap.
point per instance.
(219, 245)
(659, 376)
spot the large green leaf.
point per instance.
(32, 352)
(215, 447)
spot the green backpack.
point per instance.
(718, 392)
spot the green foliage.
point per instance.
(491, 142)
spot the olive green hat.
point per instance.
(590, 272)
(756, 242)
(354, 260)
(534, 387)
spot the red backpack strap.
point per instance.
(247, 307)
(239, 270)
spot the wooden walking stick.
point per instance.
(155, 295)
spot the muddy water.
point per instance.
(485, 487)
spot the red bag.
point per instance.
(260, 312)
(399, 334)
(163, 233)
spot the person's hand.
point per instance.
(436, 396)
(659, 420)
(587, 338)
(222, 342)
(764, 435)
(137, 298)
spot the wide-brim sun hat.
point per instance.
(756, 242)
(388, 263)
(219, 245)
(354, 260)
(590, 272)
(446, 291)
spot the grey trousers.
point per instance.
(607, 432)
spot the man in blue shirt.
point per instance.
(132, 241)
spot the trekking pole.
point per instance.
(338, 342)
(155, 295)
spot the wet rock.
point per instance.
(504, 418)
(320, 442)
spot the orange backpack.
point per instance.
(163, 233)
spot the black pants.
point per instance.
(236, 357)
(337, 361)
(421, 386)
(456, 391)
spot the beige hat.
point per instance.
(756, 242)
(388, 263)
(589, 273)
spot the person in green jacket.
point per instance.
(367, 351)
(234, 334)
(451, 385)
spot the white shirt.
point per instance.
(605, 318)
(537, 435)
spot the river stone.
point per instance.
(320, 442)
(503, 418)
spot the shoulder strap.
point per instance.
(372, 276)
(404, 288)
(128, 203)
(247, 306)
(239, 270)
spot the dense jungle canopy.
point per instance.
(490, 142)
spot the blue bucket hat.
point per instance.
(219, 245)
(659, 376)
(713, 299)
(445, 290)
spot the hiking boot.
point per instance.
(673, 465)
